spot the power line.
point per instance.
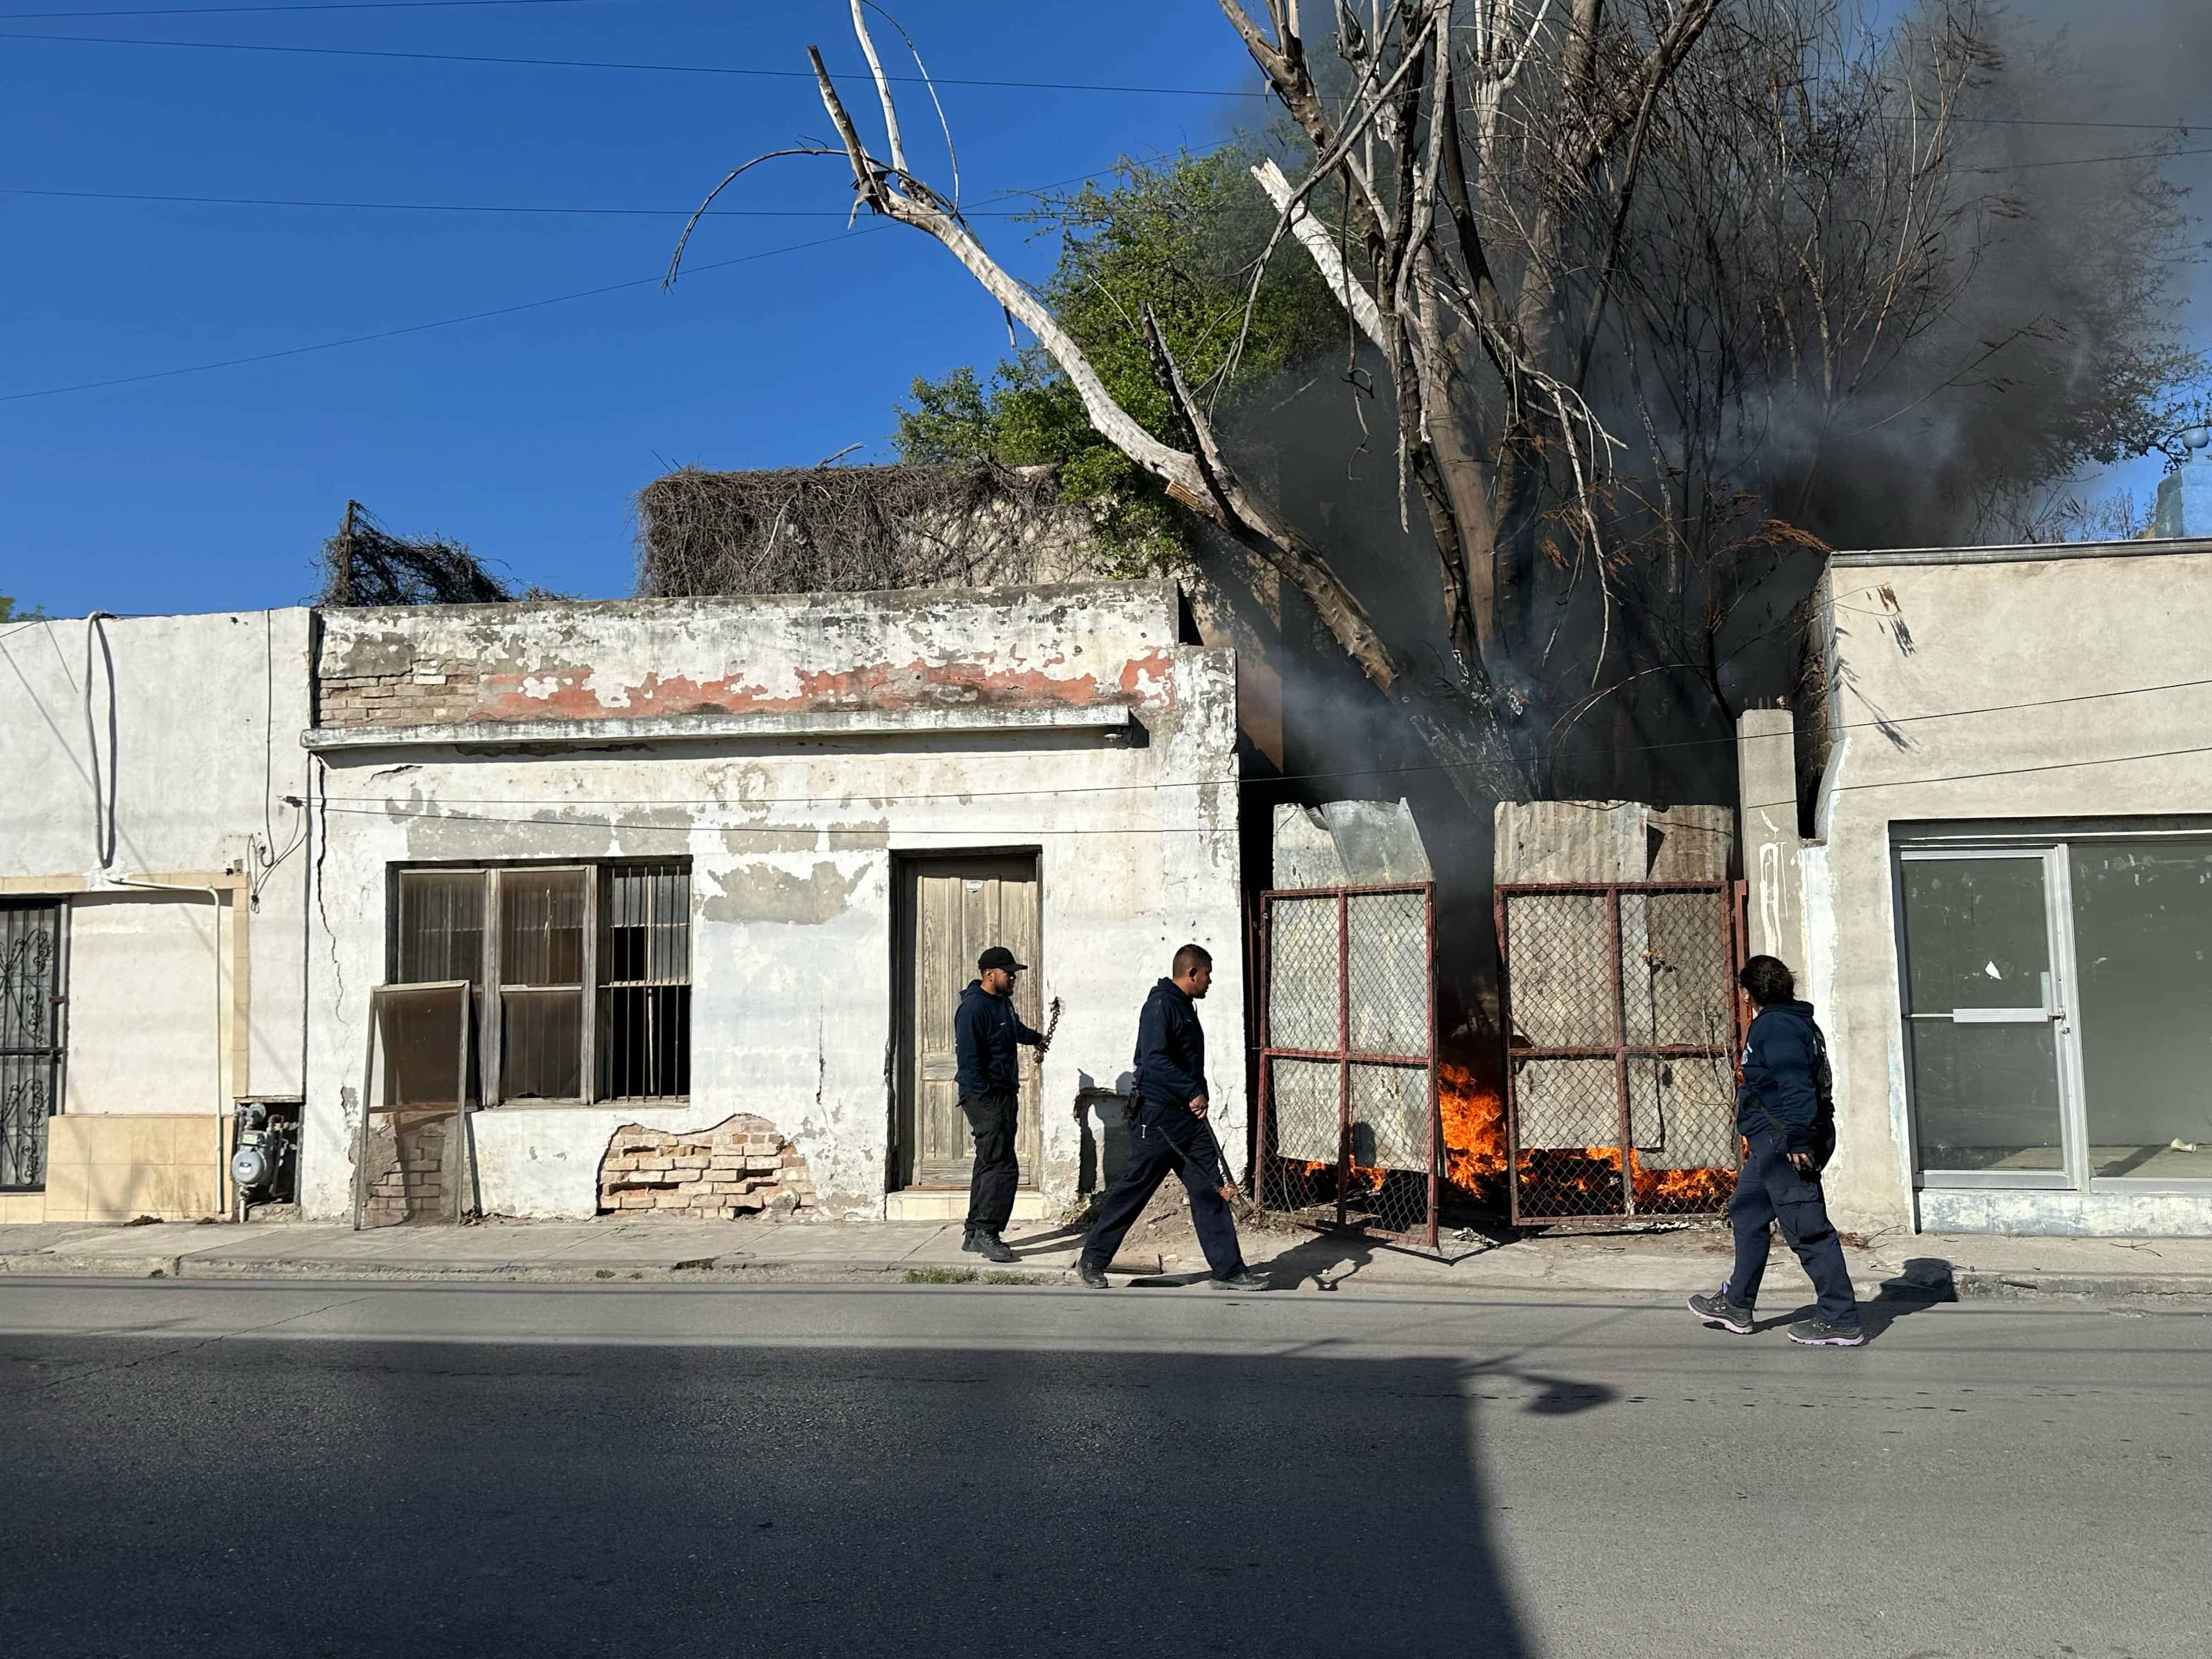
(603, 63)
(761, 829)
(436, 812)
(2090, 160)
(2181, 128)
(503, 311)
(466, 207)
(420, 328)
(1287, 777)
(333, 5)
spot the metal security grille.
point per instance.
(33, 944)
(1347, 1131)
(1623, 1022)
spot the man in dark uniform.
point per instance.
(986, 1031)
(1169, 1135)
(1786, 1112)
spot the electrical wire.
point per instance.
(747, 72)
(468, 207)
(216, 11)
(1287, 777)
(392, 811)
(506, 311)
(2180, 128)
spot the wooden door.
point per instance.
(952, 909)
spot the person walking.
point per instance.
(986, 1034)
(1169, 1134)
(1785, 1110)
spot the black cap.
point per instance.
(999, 956)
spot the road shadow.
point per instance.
(1329, 1259)
(772, 1498)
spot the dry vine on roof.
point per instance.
(855, 529)
(365, 564)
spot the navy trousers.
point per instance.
(1167, 1141)
(991, 1187)
(1770, 1188)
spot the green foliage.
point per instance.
(1181, 236)
(8, 613)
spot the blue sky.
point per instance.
(523, 436)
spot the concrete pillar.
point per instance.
(1766, 763)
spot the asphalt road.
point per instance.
(410, 1470)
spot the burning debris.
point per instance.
(1555, 1180)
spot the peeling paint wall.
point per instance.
(1075, 645)
(1980, 686)
(793, 841)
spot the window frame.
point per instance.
(2053, 841)
(489, 990)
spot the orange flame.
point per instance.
(1475, 1153)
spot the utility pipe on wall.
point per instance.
(103, 828)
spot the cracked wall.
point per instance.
(793, 846)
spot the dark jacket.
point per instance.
(985, 1032)
(1170, 1048)
(1786, 1072)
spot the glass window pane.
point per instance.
(541, 1045)
(440, 926)
(2142, 934)
(646, 931)
(1975, 935)
(1985, 1097)
(541, 927)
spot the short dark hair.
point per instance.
(1768, 981)
(1190, 956)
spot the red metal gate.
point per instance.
(1347, 1133)
(1622, 1024)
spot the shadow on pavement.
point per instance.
(1922, 1283)
(558, 1498)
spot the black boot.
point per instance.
(1095, 1277)
(988, 1244)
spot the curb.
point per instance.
(1992, 1283)
(105, 1267)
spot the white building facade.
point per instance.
(153, 886)
(2004, 913)
(714, 871)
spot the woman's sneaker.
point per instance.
(1719, 1310)
(1819, 1333)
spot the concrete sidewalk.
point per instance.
(1684, 1259)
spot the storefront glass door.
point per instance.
(2057, 1003)
(1982, 1002)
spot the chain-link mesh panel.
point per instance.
(1675, 955)
(1388, 936)
(1348, 975)
(1562, 986)
(1302, 987)
(1684, 1110)
(1304, 1119)
(1391, 1111)
(1677, 974)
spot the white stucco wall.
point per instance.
(198, 742)
(1974, 685)
(793, 833)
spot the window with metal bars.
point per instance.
(580, 974)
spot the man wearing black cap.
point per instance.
(986, 1031)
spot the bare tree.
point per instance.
(1652, 283)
